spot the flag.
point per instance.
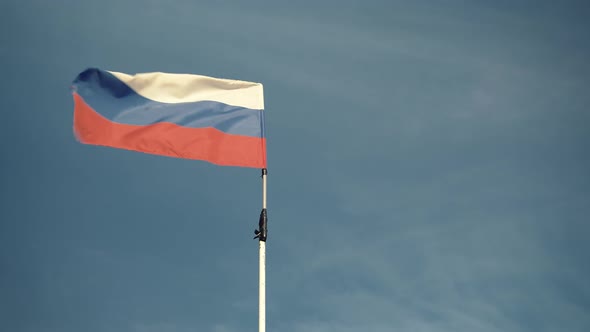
(177, 115)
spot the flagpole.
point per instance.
(261, 235)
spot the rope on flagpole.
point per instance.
(261, 233)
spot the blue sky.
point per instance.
(428, 170)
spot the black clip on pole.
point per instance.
(262, 221)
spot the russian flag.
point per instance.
(177, 115)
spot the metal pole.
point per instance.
(262, 288)
(261, 235)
